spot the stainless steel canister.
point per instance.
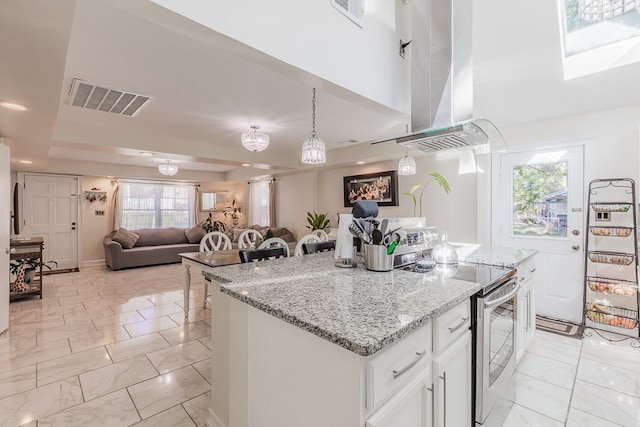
(376, 258)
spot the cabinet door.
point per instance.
(411, 406)
(452, 380)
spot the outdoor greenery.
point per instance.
(532, 183)
(417, 200)
(317, 221)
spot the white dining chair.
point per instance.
(322, 235)
(215, 241)
(274, 242)
(309, 238)
(248, 239)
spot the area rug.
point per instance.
(559, 327)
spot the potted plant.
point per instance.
(317, 221)
(210, 224)
(234, 212)
(432, 176)
(31, 265)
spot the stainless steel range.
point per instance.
(493, 328)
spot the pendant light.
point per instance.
(407, 166)
(255, 141)
(313, 151)
(466, 162)
(168, 169)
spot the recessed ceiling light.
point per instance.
(26, 161)
(146, 153)
(12, 106)
(360, 163)
(246, 164)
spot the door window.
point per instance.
(540, 199)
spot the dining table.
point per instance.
(200, 261)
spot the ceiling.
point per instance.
(206, 91)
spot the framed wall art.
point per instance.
(381, 187)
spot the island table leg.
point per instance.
(187, 288)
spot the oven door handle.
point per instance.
(489, 302)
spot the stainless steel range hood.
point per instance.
(442, 77)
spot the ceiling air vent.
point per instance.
(352, 9)
(88, 95)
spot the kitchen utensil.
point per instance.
(383, 226)
(368, 225)
(444, 253)
(356, 229)
(376, 235)
(395, 238)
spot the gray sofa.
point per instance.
(154, 247)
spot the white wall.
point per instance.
(295, 196)
(322, 191)
(303, 34)
(94, 227)
(615, 133)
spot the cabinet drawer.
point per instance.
(397, 364)
(526, 270)
(451, 325)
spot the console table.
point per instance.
(28, 249)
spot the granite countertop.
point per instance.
(360, 310)
(500, 256)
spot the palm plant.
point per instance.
(417, 201)
(210, 224)
(317, 221)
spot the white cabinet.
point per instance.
(452, 383)
(439, 392)
(526, 313)
(412, 406)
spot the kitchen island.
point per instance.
(298, 341)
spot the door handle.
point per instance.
(73, 228)
(575, 248)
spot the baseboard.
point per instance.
(94, 263)
(213, 420)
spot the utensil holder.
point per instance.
(376, 258)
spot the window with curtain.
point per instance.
(259, 202)
(156, 205)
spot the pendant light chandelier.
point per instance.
(313, 151)
(600, 10)
(407, 166)
(255, 141)
(168, 169)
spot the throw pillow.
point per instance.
(195, 234)
(263, 230)
(126, 238)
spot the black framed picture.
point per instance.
(381, 187)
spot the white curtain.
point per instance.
(259, 202)
(149, 204)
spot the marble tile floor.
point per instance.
(563, 381)
(105, 348)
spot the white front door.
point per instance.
(5, 202)
(51, 211)
(539, 204)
